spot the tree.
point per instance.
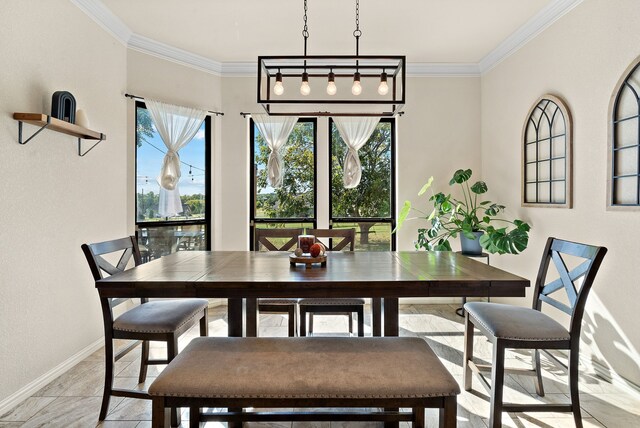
(295, 198)
(372, 197)
(144, 126)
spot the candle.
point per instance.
(305, 242)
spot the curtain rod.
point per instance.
(324, 113)
(136, 97)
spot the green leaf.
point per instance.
(479, 188)
(402, 215)
(460, 176)
(426, 186)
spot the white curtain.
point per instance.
(176, 125)
(355, 131)
(275, 130)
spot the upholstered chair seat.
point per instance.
(162, 316)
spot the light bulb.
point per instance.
(278, 88)
(383, 88)
(356, 89)
(331, 86)
(305, 89)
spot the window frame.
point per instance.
(567, 155)
(632, 71)
(392, 219)
(253, 221)
(206, 221)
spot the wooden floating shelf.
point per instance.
(54, 124)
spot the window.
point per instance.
(370, 207)
(624, 146)
(189, 230)
(546, 155)
(294, 203)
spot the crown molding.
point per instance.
(538, 23)
(102, 15)
(111, 23)
(153, 47)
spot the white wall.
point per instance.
(53, 200)
(580, 58)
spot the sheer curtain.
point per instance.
(275, 130)
(176, 125)
(355, 131)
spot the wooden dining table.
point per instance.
(243, 276)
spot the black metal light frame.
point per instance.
(343, 66)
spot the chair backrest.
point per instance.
(125, 248)
(272, 239)
(348, 237)
(589, 256)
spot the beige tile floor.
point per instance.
(73, 399)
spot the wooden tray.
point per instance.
(308, 260)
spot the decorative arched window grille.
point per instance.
(546, 155)
(623, 190)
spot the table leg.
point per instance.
(234, 317)
(376, 316)
(251, 309)
(391, 316)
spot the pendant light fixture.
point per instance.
(277, 72)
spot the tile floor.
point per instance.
(73, 399)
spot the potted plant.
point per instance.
(477, 222)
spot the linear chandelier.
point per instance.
(332, 85)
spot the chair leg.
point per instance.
(360, 311)
(310, 322)
(448, 413)
(538, 378)
(108, 377)
(157, 412)
(204, 323)
(292, 321)
(497, 385)
(172, 351)
(418, 417)
(194, 417)
(350, 322)
(303, 321)
(574, 387)
(468, 354)
(144, 361)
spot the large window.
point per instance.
(188, 230)
(370, 207)
(294, 203)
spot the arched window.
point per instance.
(546, 155)
(623, 189)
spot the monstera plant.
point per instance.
(470, 218)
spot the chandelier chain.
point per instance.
(305, 29)
(357, 33)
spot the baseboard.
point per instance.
(34, 386)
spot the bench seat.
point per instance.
(305, 372)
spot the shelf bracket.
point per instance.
(80, 153)
(34, 134)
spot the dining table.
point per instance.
(242, 277)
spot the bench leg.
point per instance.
(157, 412)
(418, 417)
(448, 412)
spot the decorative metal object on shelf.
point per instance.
(279, 78)
(63, 106)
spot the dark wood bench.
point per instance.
(306, 372)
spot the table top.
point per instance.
(232, 274)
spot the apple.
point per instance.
(315, 250)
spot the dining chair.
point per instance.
(507, 326)
(278, 240)
(161, 320)
(339, 239)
